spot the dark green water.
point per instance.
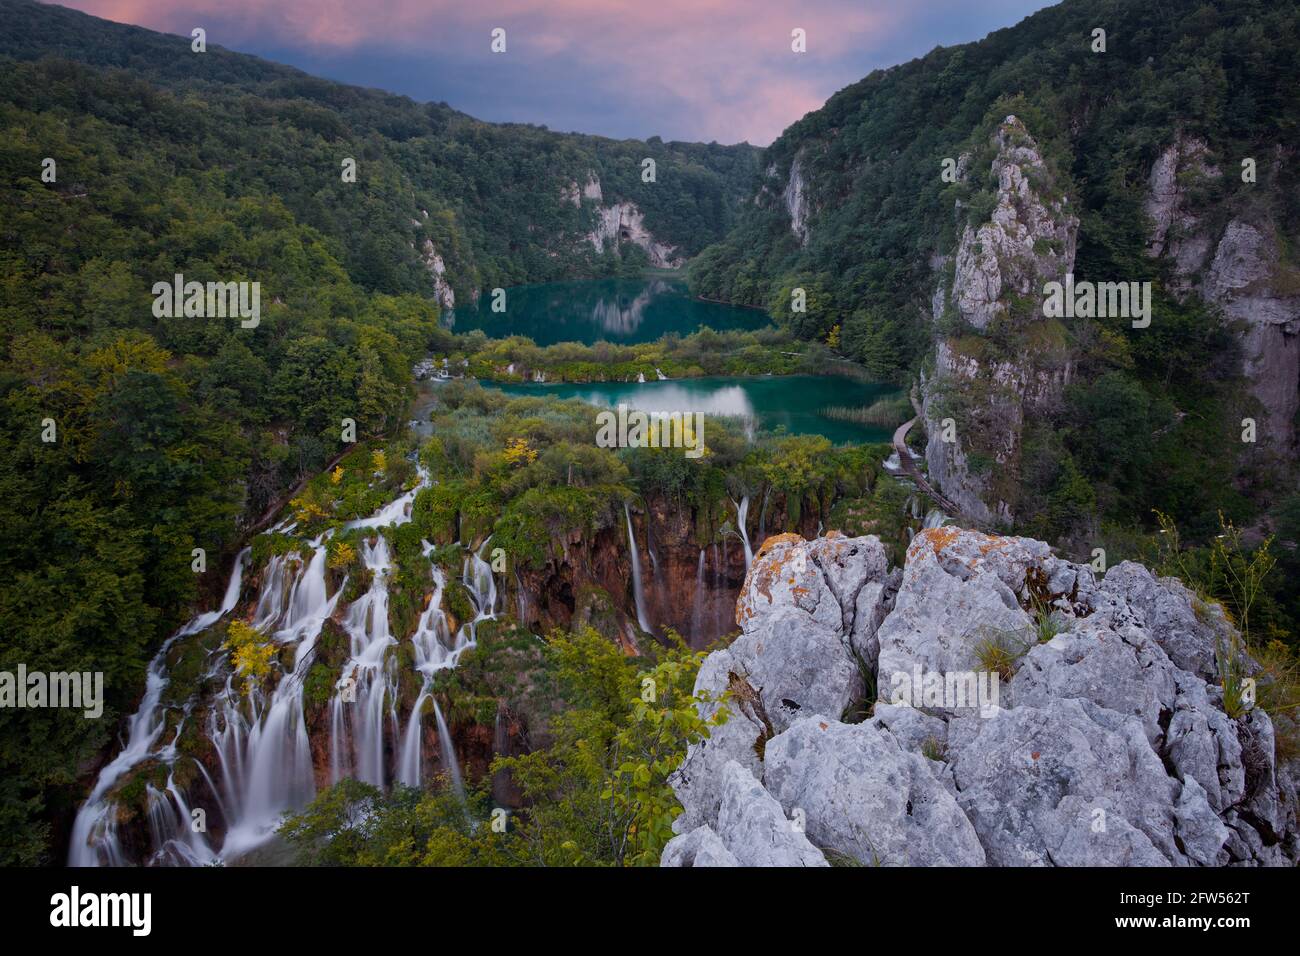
(790, 401)
(626, 311)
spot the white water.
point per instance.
(436, 648)
(94, 831)
(397, 511)
(261, 743)
(935, 518)
(448, 751)
(366, 694)
(638, 591)
(742, 518)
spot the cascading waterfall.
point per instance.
(638, 591)
(435, 649)
(366, 695)
(94, 831)
(170, 825)
(448, 750)
(935, 518)
(263, 765)
(261, 743)
(482, 586)
(742, 518)
(397, 511)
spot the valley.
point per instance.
(988, 365)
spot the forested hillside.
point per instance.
(132, 440)
(853, 208)
(497, 196)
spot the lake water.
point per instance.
(626, 311)
(790, 401)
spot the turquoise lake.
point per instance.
(625, 311)
(792, 402)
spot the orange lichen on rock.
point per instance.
(776, 539)
(764, 572)
(937, 538)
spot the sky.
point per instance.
(700, 70)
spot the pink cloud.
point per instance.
(728, 62)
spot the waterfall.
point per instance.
(697, 613)
(482, 586)
(935, 518)
(742, 517)
(171, 826)
(94, 831)
(637, 590)
(397, 511)
(262, 743)
(521, 600)
(262, 755)
(370, 676)
(408, 770)
(448, 752)
(500, 744)
(435, 649)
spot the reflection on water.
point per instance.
(674, 397)
(619, 318)
(626, 311)
(794, 403)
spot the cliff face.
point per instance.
(1238, 267)
(992, 286)
(1099, 738)
(688, 588)
(624, 222)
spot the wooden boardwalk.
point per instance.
(908, 465)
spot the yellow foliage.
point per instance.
(308, 507)
(341, 555)
(251, 653)
(336, 475)
(518, 451)
(833, 338)
(379, 460)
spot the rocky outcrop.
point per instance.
(1175, 224)
(574, 195)
(624, 222)
(795, 197)
(1029, 239)
(1238, 267)
(997, 276)
(1108, 743)
(804, 609)
(442, 290)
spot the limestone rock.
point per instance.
(753, 827)
(700, 847)
(865, 797)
